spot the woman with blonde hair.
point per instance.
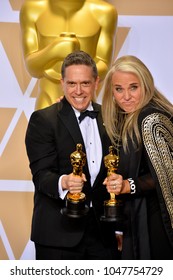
(139, 122)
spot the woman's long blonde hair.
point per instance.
(120, 125)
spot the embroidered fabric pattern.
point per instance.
(157, 133)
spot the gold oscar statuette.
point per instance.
(113, 211)
(75, 203)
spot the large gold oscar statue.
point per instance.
(51, 29)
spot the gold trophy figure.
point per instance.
(75, 203)
(112, 207)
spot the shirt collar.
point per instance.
(77, 113)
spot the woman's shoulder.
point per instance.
(152, 110)
(152, 116)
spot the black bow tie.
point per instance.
(91, 114)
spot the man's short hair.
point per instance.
(79, 58)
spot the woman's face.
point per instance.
(126, 90)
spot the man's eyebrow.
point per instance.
(85, 81)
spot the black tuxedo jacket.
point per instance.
(51, 137)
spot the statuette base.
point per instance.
(113, 212)
(75, 209)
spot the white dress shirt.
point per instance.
(93, 147)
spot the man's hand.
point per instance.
(73, 183)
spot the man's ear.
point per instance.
(97, 82)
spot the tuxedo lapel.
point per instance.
(68, 117)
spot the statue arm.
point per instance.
(40, 58)
(105, 47)
(39, 61)
(33, 57)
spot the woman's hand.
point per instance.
(115, 184)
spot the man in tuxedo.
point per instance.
(51, 137)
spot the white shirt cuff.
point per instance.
(62, 193)
(119, 232)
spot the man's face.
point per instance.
(79, 86)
